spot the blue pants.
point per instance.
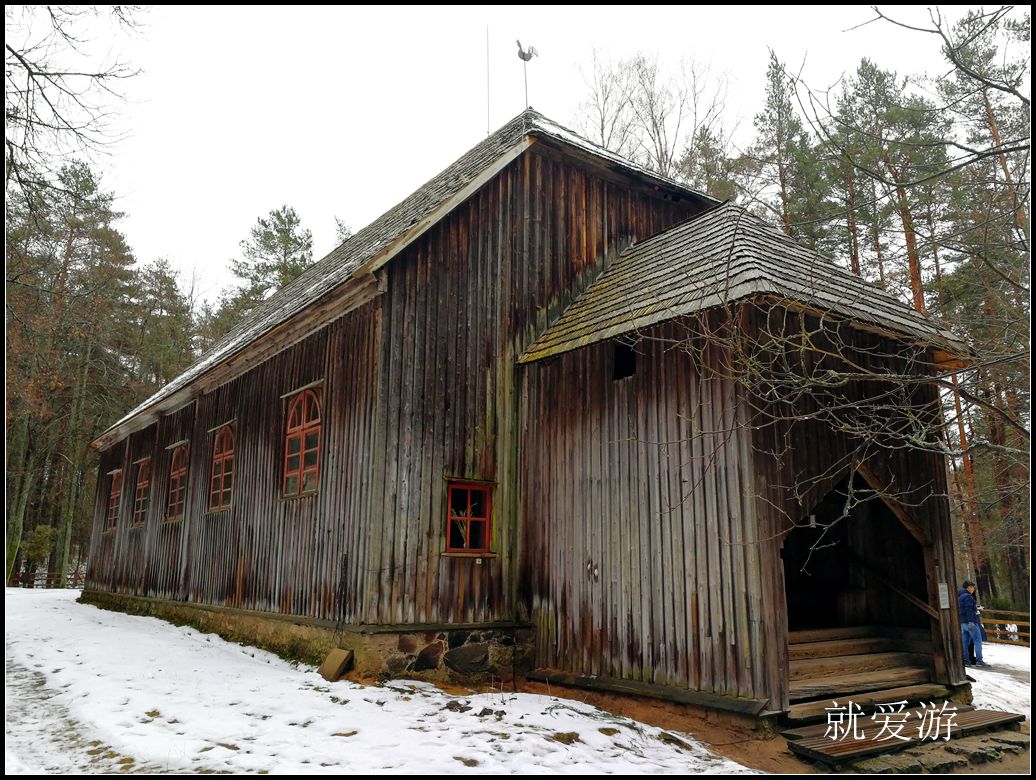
(972, 632)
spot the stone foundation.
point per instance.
(468, 655)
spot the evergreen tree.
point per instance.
(276, 251)
(69, 281)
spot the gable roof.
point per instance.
(716, 257)
(366, 251)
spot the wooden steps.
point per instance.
(850, 684)
(820, 729)
(857, 632)
(817, 710)
(853, 664)
(818, 747)
(827, 634)
(836, 647)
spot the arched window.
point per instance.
(177, 484)
(302, 445)
(140, 497)
(221, 484)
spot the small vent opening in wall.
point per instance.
(624, 361)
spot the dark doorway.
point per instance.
(853, 576)
(844, 561)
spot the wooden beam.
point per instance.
(876, 574)
(870, 476)
(666, 693)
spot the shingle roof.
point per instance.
(716, 257)
(375, 240)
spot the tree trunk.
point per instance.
(1017, 204)
(876, 235)
(979, 556)
(16, 518)
(854, 242)
(913, 256)
(63, 540)
(782, 180)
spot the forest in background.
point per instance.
(915, 182)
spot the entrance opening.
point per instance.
(850, 570)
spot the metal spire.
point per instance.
(525, 56)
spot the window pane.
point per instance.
(225, 500)
(478, 503)
(457, 535)
(293, 463)
(312, 409)
(228, 481)
(459, 502)
(309, 480)
(291, 485)
(478, 535)
(310, 458)
(294, 444)
(312, 438)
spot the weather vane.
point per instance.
(526, 55)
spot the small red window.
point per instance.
(302, 445)
(177, 484)
(140, 497)
(468, 508)
(112, 517)
(221, 483)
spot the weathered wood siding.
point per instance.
(799, 455)
(419, 387)
(102, 569)
(264, 552)
(462, 303)
(640, 550)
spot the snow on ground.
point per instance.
(96, 691)
(1005, 684)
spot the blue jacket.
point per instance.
(967, 607)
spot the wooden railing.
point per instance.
(43, 580)
(1006, 628)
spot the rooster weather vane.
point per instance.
(526, 55)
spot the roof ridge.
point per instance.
(343, 262)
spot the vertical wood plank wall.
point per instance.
(640, 549)
(264, 552)
(799, 456)
(636, 522)
(462, 304)
(420, 386)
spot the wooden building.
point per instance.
(494, 417)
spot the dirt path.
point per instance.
(42, 737)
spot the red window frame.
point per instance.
(111, 517)
(221, 479)
(465, 514)
(141, 494)
(177, 493)
(302, 446)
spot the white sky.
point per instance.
(346, 111)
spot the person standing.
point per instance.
(970, 626)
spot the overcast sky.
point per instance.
(346, 111)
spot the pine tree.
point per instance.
(276, 251)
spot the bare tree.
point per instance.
(643, 110)
(672, 109)
(606, 116)
(57, 96)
